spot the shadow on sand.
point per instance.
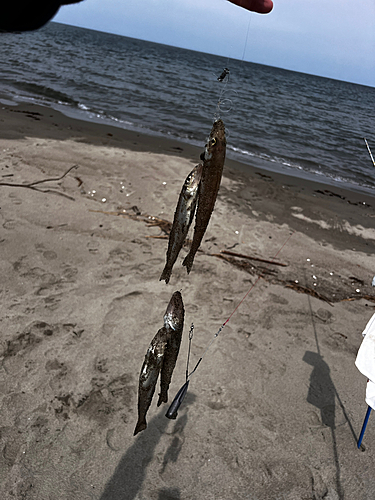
(323, 394)
(128, 478)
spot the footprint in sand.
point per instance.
(29, 338)
(50, 255)
(107, 398)
(9, 225)
(34, 334)
(93, 246)
(15, 199)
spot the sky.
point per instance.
(334, 39)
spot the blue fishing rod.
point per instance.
(364, 427)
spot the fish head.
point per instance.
(174, 315)
(216, 142)
(192, 182)
(195, 177)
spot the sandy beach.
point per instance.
(276, 406)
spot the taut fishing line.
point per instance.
(176, 403)
(224, 77)
(247, 37)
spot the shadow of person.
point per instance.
(322, 391)
(322, 394)
(171, 455)
(169, 494)
(128, 478)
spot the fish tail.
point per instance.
(188, 262)
(166, 274)
(141, 426)
(163, 398)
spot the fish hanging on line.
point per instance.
(183, 218)
(174, 320)
(149, 375)
(213, 164)
(161, 357)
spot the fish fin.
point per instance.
(141, 426)
(166, 275)
(188, 262)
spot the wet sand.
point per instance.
(275, 407)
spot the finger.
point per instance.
(259, 6)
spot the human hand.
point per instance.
(260, 6)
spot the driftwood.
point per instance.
(370, 298)
(158, 237)
(32, 185)
(238, 260)
(250, 257)
(164, 225)
(246, 266)
(304, 289)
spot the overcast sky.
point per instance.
(333, 38)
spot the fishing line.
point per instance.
(236, 308)
(247, 37)
(172, 411)
(225, 77)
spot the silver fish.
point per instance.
(174, 323)
(214, 157)
(161, 356)
(183, 218)
(149, 375)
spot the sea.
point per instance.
(279, 120)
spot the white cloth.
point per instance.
(365, 361)
(370, 394)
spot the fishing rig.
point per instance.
(223, 75)
(177, 401)
(223, 78)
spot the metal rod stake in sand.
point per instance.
(176, 403)
(369, 150)
(364, 425)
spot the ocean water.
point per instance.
(280, 120)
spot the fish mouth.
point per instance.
(174, 315)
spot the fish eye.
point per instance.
(213, 142)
